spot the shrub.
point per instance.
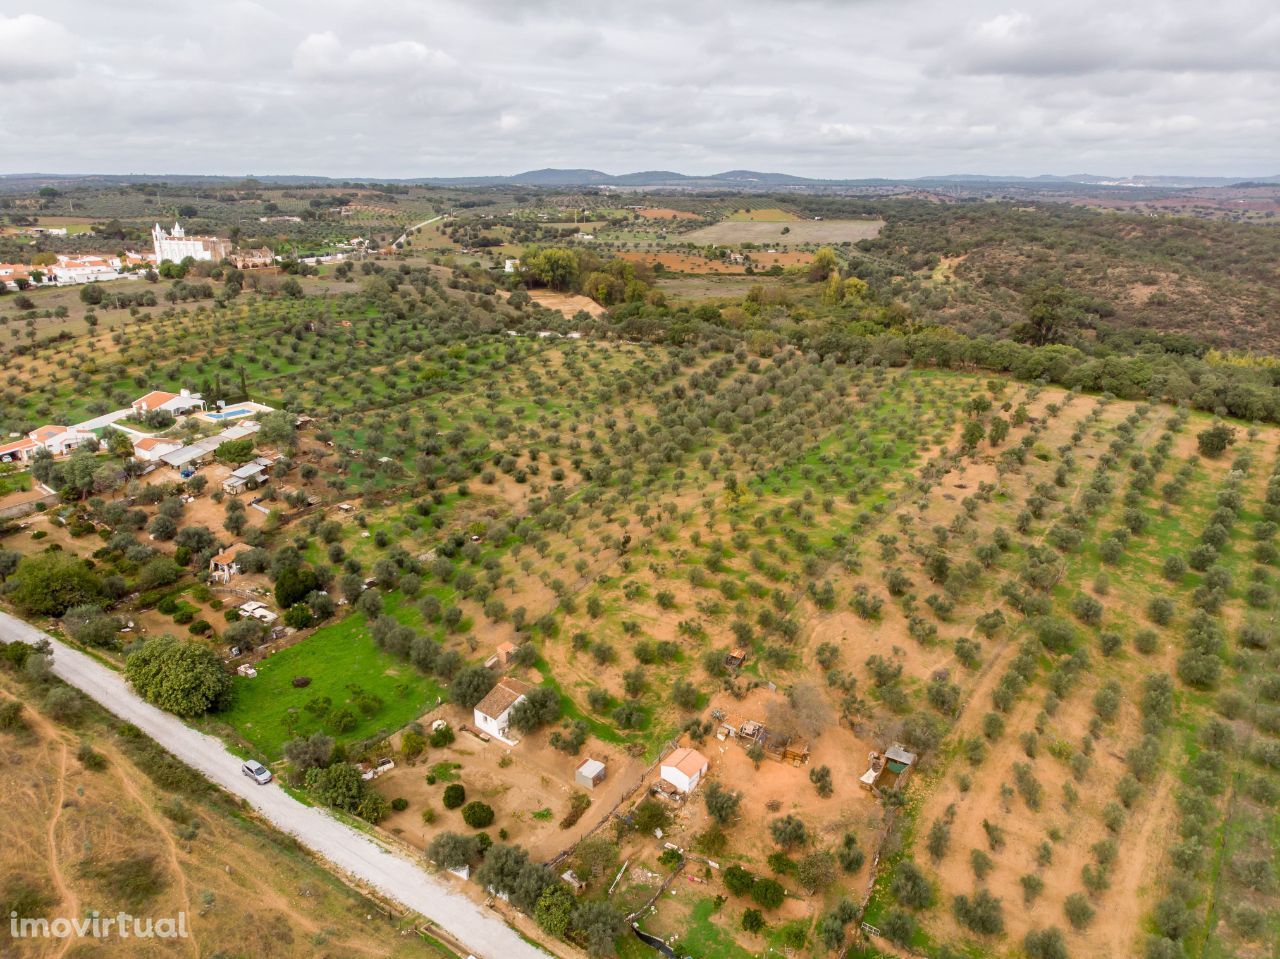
(1045, 944)
(981, 912)
(768, 893)
(738, 880)
(476, 814)
(455, 794)
(1079, 912)
(910, 887)
(399, 804)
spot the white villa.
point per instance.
(58, 440)
(175, 403)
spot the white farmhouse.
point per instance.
(58, 440)
(492, 714)
(684, 769)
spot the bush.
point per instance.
(476, 814)
(449, 850)
(738, 881)
(768, 893)
(1045, 944)
(455, 794)
(1079, 912)
(910, 887)
(399, 804)
(981, 912)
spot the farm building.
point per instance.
(190, 458)
(589, 774)
(250, 474)
(492, 714)
(684, 769)
(223, 565)
(897, 762)
(258, 611)
(151, 448)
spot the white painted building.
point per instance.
(177, 246)
(178, 403)
(58, 440)
(151, 448)
(684, 769)
(493, 713)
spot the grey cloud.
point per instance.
(457, 87)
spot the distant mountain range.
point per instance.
(739, 180)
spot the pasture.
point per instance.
(354, 690)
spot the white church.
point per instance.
(176, 246)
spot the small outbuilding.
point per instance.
(684, 769)
(589, 774)
(251, 474)
(224, 565)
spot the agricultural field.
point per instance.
(665, 213)
(763, 215)
(771, 231)
(691, 263)
(1003, 610)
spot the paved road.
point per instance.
(394, 875)
(417, 226)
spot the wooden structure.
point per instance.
(897, 762)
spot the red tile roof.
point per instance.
(155, 399)
(502, 697)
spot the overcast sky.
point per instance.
(836, 89)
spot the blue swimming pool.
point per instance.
(228, 414)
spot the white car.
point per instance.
(257, 772)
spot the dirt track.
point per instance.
(388, 871)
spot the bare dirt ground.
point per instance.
(529, 786)
(568, 304)
(798, 232)
(665, 213)
(242, 891)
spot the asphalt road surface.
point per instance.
(394, 875)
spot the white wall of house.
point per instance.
(683, 782)
(498, 726)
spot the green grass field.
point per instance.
(268, 710)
